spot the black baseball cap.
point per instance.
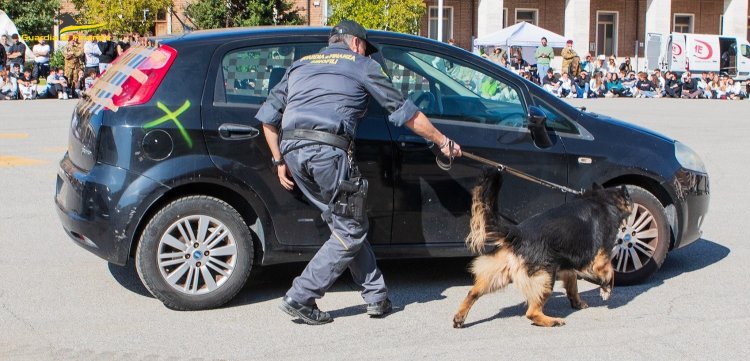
(353, 28)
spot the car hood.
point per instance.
(620, 123)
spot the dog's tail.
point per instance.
(484, 227)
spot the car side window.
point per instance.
(555, 119)
(746, 51)
(250, 73)
(454, 90)
(411, 84)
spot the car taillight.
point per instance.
(143, 77)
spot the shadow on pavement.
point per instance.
(694, 257)
(699, 255)
(127, 277)
(425, 280)
(409, 281)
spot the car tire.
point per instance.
(196, 253)
(642, 243)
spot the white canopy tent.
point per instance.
(524, 35)
(8, 28)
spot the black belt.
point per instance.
(318, 137)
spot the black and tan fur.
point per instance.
(570, 241)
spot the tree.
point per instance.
(32, 17)
(211, 14)
(121, 16)
(392, 15)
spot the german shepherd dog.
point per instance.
(570, 241)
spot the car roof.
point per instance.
(230, 34)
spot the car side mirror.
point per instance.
(538, 127)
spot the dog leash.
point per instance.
(501, 167)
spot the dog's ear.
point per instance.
(596, 186)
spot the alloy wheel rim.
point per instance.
(636, 241)
(197, 254)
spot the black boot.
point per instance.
(379, 309)
(311, 315)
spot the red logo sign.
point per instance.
(703, 50)
(676, 49)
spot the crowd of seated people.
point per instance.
(15, 84)
(86, 56)
(602, 77)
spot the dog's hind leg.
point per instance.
(491, 273)
(538, 289)
(570, 281)
(480, 288)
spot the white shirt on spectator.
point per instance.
(735, 88)
(92, 52)
(662, 83)
(566, 84)
(41, 49)
(602, 86)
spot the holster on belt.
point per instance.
(351, 196)
(350, 199)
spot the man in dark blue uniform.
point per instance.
(317, 105)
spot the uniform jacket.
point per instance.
(330, 91)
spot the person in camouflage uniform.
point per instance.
(571, 61)
(72, 54)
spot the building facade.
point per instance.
(171, 20)
(611, 27)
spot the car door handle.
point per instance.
(413, 143)
(237, 131)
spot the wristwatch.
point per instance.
(277, 163)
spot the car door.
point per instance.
(484, 111)
(242, 74)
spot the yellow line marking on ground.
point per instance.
(14, 135)
(9, 161)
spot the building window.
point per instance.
(527, 15)
(683, 23)
(748, 27)
(505, 17)
(606, 33)
(447, 23)
(327, 12)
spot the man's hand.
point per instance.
(285, 177)
(451, 149)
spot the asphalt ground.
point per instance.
(59, 302)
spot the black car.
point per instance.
(166, 163)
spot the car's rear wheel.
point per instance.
(642, 242)
(195, 253)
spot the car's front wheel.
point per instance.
(642, 242)
(195, 253)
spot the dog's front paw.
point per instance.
(548, 322)
(558, 322)
(579, 305)
(458, 322)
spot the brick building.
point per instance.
(600, 26)
(171, 20)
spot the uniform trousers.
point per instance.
(317, 170)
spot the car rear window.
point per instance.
(249, 73)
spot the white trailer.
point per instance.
(699, 53)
